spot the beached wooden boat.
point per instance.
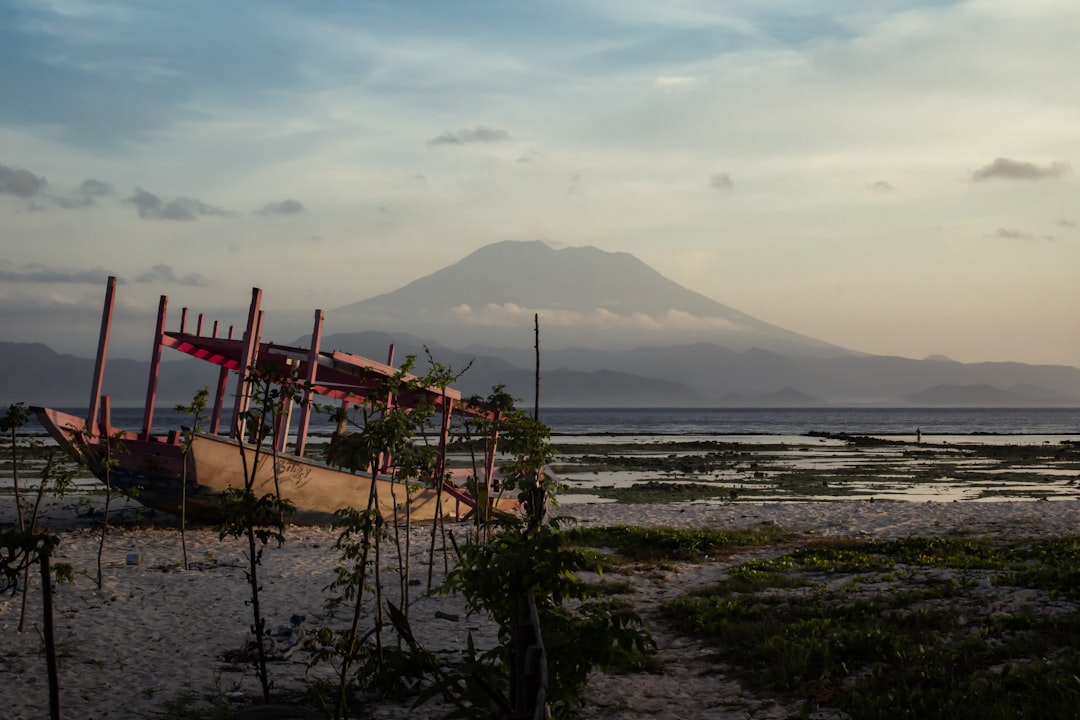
(157, 467)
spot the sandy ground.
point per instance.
(156, 632)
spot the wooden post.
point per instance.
(283, 418)
(309, 381)
(281, 424)
(219, 391)
(254, 363)
(106, 417)
(528, 669)
(387, 458)
(49, 634)
(536, 395)
(155, 369)
(491, 450)
(444, 438)
(103, 346)
(251, 342)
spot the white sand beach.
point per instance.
(156, 632)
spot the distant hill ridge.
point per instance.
(614, 332)
(34, 374)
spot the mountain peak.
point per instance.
(583, 295)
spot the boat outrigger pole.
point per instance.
(99, 362)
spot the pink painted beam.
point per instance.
(251, 342)
(281, 424)
(103, 346)
(387, 459)
(258, 338)
(492, 448)
(183, 320)
(255, 363)
(155, 370)
(219, 393)
(219, 401)
(198, 325)
(309, 382)
(444, 439)
(106, 418)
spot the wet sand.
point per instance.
(155, 632)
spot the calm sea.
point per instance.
(748, 421)
(801, 421)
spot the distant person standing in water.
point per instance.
(918, 436)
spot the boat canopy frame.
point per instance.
(341, 376)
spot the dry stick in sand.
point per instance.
(253, 558)
(50, 645)
(198, 404)
(402, 545)
(440, 375)
(243, 522)
(436, 522)
(17, 415)
(378, 581)
(21, 549)
(341, 705)
(108, 463)
(45, 474)
(287, 394)
(59, 481)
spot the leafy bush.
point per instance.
(529, 556)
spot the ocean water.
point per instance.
(741, 421)
(802, 421)
(888, 472)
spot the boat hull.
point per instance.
(153, 472)
(316, 490)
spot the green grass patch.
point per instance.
(654, 492)
(838, 621)
(667, 543)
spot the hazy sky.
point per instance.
(891, 176)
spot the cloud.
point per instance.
(478, 134)
(164, 273)
(1013, 234)
(70, 203)
(1006, 169)
(151, 207)
(42, 274)
(575, 186)
(674, 81)
(721, 181)
(881, 186)
(91, 188)
(283, 207)
(19, 182)
(88, 191)
(1066, 223)
(148, 204)
(531, 157)
(513, 315)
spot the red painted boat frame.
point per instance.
(341, 376)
